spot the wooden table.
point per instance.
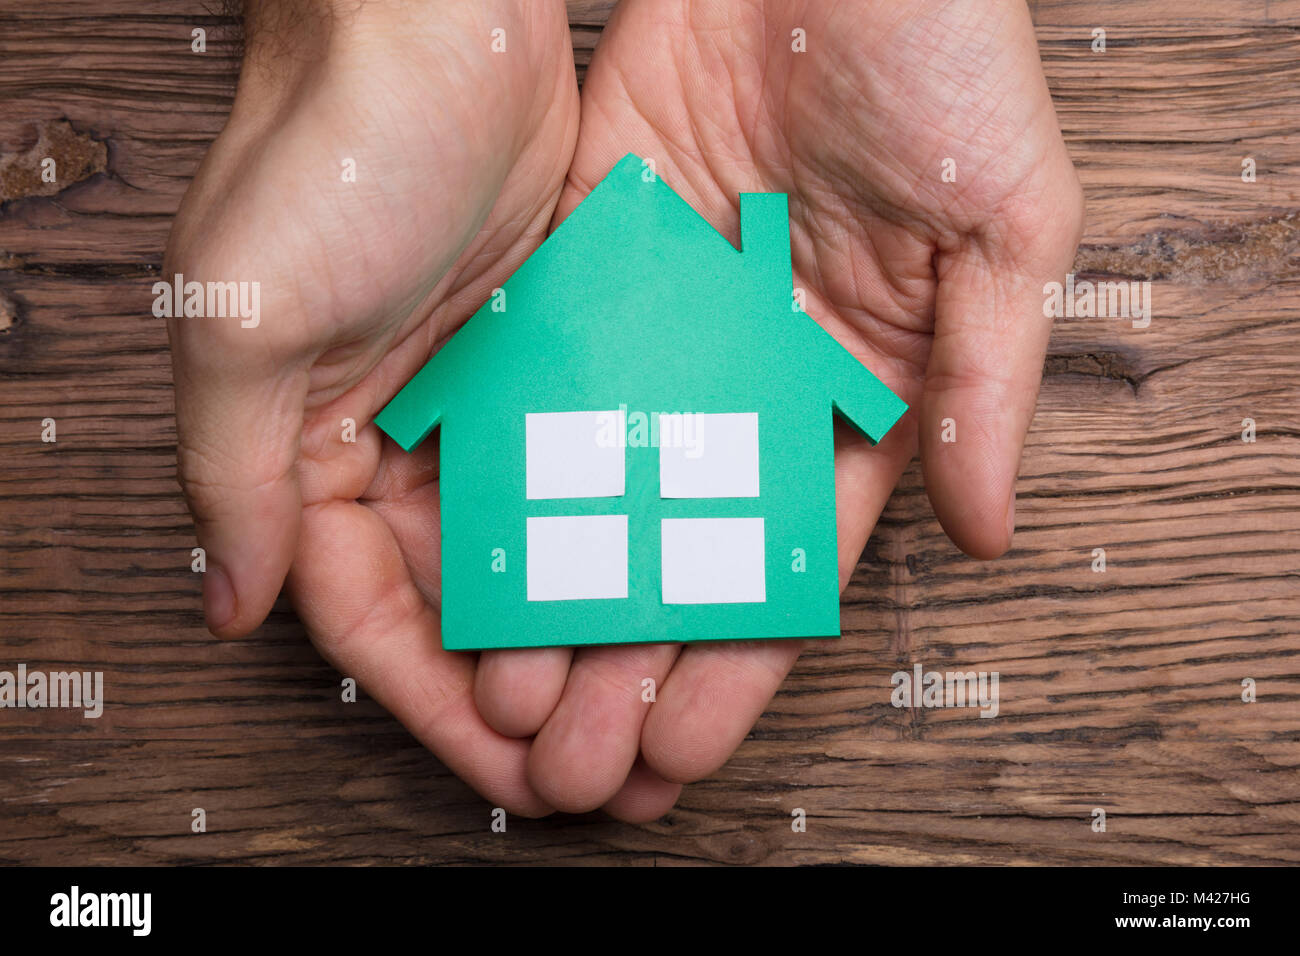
(1120, 690)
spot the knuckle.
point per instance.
(210, 477)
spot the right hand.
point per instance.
(460, 156)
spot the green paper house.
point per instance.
(636, 435)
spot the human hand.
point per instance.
(460, 154)
(935, 286)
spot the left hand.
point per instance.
(935, 286)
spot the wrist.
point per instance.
(286, 42)
(283, 34)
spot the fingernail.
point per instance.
(218, 598)
(1011, 518)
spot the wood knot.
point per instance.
(61, 157)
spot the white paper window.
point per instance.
(713, 560)
(574, 454)
(708, 456)
(578, 557)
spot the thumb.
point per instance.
(239, 424)
(981, 383)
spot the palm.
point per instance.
(855, 131)
(362, 211)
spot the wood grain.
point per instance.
(1119, 691)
